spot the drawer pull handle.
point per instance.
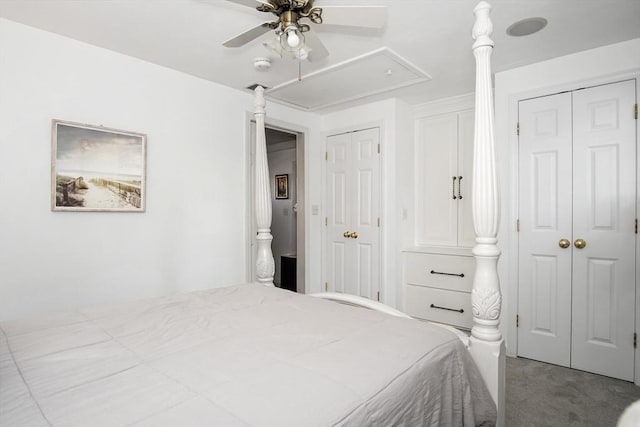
(447, 274)
(448, 309)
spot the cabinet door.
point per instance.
(436, 168)
(466, 231)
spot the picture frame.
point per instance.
(282, 186)
(95, 168)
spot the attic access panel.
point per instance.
(379, 71)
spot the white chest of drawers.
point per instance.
(438, 285)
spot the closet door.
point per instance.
(545, 175)
(577, 241)
(604, 199)
(353, 208)
(338, 211)
(365, 213)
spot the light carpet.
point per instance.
(543, 395)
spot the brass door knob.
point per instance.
(580, 243)
(353, 235)
(564, 243)
(346, 234)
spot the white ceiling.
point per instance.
(433, 35)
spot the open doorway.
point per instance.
(285, 155)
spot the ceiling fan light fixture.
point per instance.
(274, 46)
(291, 39)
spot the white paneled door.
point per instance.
(604, 199)
(544, 308)
(577, 206)
(353, 206)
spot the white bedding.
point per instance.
(246, 355)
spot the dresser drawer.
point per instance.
(432, 304)
(452, 272)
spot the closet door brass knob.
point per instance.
(564, 243)
(580, 243)
(346, 234)
(354, 235)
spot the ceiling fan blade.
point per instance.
(247, 36)
(318, 49)
(355, 16)
(249, 3)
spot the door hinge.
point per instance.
(326, 286)
(517, 225)
(378, 296)
(635, 340)
(326, 155)
(636, 225)
(378, 148)
(517, 320)
(518, 129)
(378, 222)
(326, 221)
(635, 111)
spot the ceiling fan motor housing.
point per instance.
(288, 19)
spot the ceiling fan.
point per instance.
(297, 37)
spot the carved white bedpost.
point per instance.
(265, 266)
(486, 297)
(486, 300)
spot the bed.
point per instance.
(255, 355)
(244, 355)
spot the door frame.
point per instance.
(302, 176)
(382, 289)
(512, 242)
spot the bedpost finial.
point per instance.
(259, 101)
(483, 26)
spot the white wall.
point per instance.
(194, 232)
(595, 66)
(396, 139)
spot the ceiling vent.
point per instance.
(375, 72)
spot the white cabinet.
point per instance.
(438, 286)
(438, 271)
(444, 165)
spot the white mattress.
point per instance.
(246, 355)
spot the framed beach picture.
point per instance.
(94, 168)
(282, 186)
